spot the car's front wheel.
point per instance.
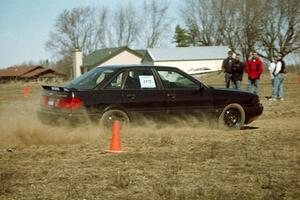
(109, 117)
(232, 116)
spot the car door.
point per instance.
(185, 95)
(142, 93)
(106, 95)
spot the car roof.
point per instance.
(120, 67)
(137, 66)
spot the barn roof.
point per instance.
(187, 53)
(17, 71)
(28, 72)
(39, 72)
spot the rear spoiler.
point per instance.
(56, 88)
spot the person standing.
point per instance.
(278, 78)
(227, 68)
(254, 69)
(237, 72)
(271, 71)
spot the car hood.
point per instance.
(232, 91)
(224, 96)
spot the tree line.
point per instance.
(268, 26)
(89, 28)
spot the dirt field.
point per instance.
(175, 161)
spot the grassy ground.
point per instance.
(162, 161)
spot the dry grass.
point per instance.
(175, 161)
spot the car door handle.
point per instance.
(131, 96)
(172, 96)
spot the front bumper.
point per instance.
(252, 113)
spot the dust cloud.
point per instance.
(21, 127)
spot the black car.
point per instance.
(123, 92)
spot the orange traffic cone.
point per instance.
(26, 90)
(115, 146)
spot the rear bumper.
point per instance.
(252, 113)
(61, 118)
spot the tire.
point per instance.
(108, 118)
(232, 117)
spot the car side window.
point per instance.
(140, 79)
(172, 79)
(116, 83)
(104, 75)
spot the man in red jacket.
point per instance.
(254, 69)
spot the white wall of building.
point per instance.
(124, 58)
(193, 67)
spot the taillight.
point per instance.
(68, 103)
(44, 101)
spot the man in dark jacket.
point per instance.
(278, 74)
(237, 72)
(254, 69)
(227, 68)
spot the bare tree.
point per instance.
(249, 26)
(62, 65)
(155, 21)
(126, 24)
(103, 36)
(89, 29)
(73, 29)
(281, 28)
(270, 26)
(204, 21)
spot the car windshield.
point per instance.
(91, 79)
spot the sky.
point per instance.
(25, 26)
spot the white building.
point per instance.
(111, 56)
(192, 60)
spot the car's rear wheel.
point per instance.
(232, 116)
(109, 117)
